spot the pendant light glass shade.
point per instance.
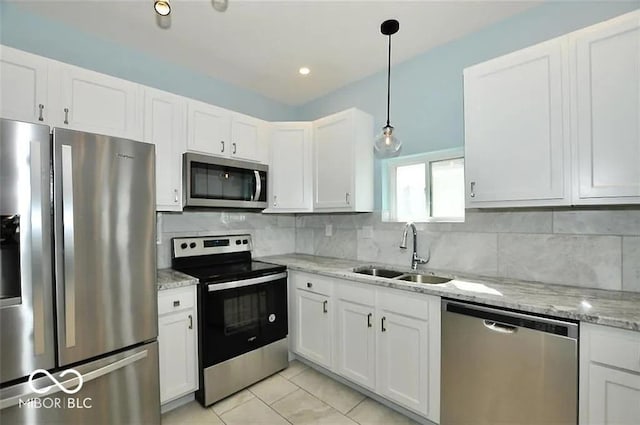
(387, 144)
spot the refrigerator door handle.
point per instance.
(74, 382)
(68, 272)
(36, 246)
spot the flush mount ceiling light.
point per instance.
(387, 144)
(162, 7)
(220, 5)
(304, 71)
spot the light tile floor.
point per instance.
(298, 395)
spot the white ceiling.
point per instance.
(259, 45)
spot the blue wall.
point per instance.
(26, 31)
(426, 91)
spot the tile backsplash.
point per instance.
(595, 248)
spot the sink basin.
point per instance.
(373, 271)
(423, 278)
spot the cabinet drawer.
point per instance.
(615, 347)
(312, 282)
(176, 299)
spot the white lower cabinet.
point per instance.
(609, 376)
(385, 340)
(177, 341)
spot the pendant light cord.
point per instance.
(389, 80)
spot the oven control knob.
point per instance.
(192, 245)
(272, 318)
(238, 241)
(183, 245)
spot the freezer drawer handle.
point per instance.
(498, 327)
(73, 382)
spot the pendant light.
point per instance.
(387, 144)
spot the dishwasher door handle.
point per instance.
(499, 327)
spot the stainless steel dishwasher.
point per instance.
(507, 368)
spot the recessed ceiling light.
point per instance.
(162, 7)
(304, 71)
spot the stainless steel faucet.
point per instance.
(415, 260)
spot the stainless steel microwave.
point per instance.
(223, 183)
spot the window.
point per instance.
(426, 187)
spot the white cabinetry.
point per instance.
(94, 102)
(218, 131)
(177, 341)
(557, 123)
(343, 162)
(609, 376)
(23, 86)
(606, 123)
(313, 317)
(290, 168)
(165, 126)
(517, 149)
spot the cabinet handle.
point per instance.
(382, 323)
(221, 145)
(324, 306)
(309, 284)
(233, 145)
(369, 320)
(346, 197)
(175, 195)
(66, 115)
(190, 322)
(473, 188)
(41, 107)
(275, 200)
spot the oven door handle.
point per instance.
(246, 282)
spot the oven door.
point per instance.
(240, 316)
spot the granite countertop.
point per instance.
(170, 279)
(611, 308)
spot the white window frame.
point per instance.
(426, 159)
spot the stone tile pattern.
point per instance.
(170, 279)
(598, 247)
(298, 395)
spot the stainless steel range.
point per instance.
(242, 313)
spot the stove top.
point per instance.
(220, 273)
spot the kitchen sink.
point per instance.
(423, 278)
(374, 271)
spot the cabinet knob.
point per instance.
(221, 145)
(66, 115)
(473, 188)
(40, 117)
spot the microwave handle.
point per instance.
(256, 196)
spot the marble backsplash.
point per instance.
(271, 234)
(595, 248)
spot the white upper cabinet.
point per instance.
(517, 149)
(165, 126)
(343, 162)
(209, 129)
(290, 168)
(89, 101)
(23, 86)
(606, 124)
(249, 138)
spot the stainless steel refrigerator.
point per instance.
(77, 278)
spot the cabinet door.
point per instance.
(23, 86)
(290, 167)
(178, 365)
(97, 103)
(246, 140)
(356, 342)
(165, 127)
(313, 325)
(614, 396)
(516, 129)
(209, 129)
(607, 104)
(334, 162)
